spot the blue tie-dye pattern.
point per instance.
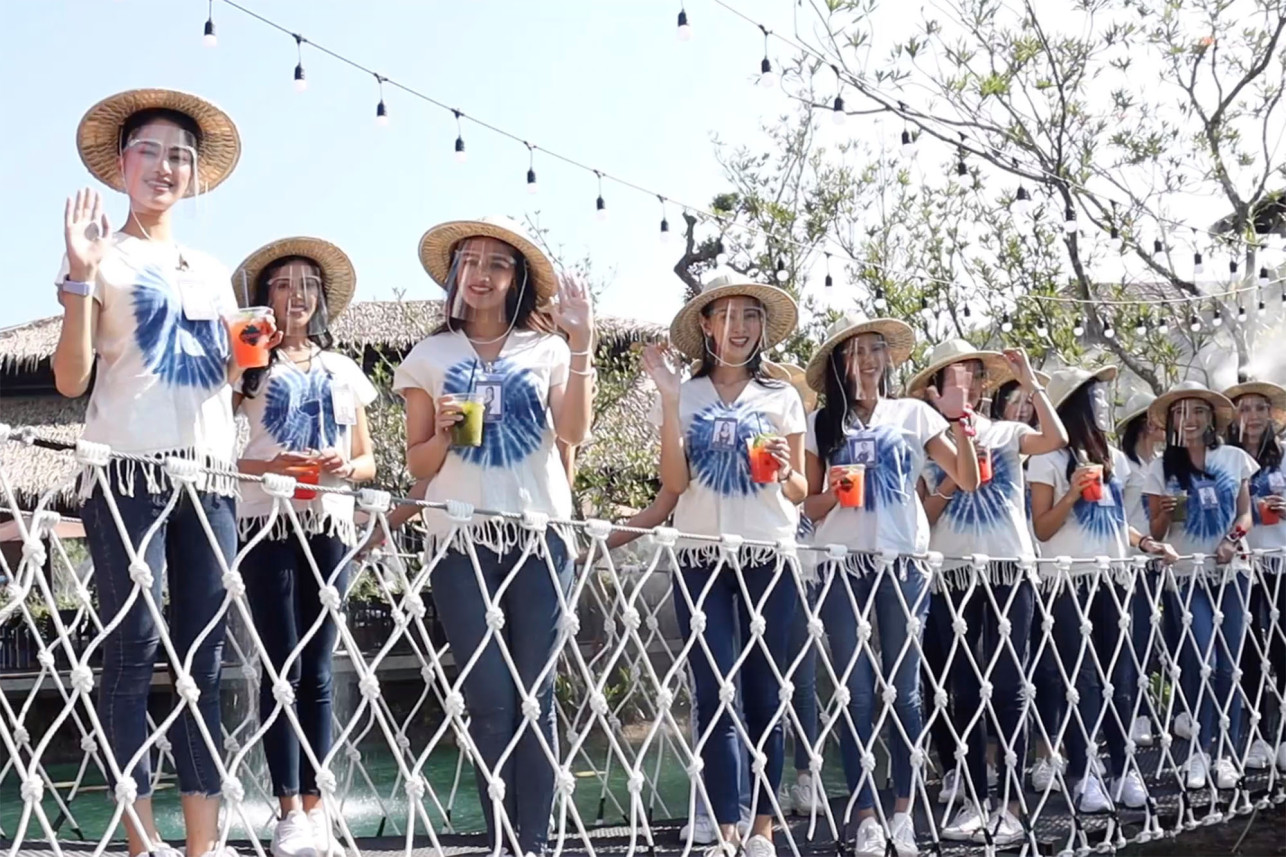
(1207, 524)
(986, 509)
(1102, 522)
(890, 481)
(726, 471)
(1260, 487)
(298, 411)
(804, 531)
(520, 432)
(181, 352)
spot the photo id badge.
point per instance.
(724, 436)
(198, 303)
(1206, 493)
(342, 405)
(492, 390)
(861, 448)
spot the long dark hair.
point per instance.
(520, 302)
(754, 366)
(1269, 454)
(836, 415)
(1176, 463)
(252, 380)
(155, 114)
(1086, 442)
(1130, 437)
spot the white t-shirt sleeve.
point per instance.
(1248, 466)
(1045, 469)
(361, 386)
(1154, 480)
(928, 422)
(793, 421)
(560, 361)
(810, 439)
(417, 371)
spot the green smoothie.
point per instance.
(468, 432)
(1180, 513)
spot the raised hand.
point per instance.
(87, 233)
(1020, 366)
(573, 312)
(660, 364)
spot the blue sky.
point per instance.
(604, 81)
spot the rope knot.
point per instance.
(630, 616)
(279, 485)
(414, 605)
(727, 692)
(33, 790)
(283, 692)
(233, 790)
(231, 744)
(664, 699)
(186, 686)
(786, 692)
(537, 522)
(416, 787)
(458, 512)
(758, 624)
(569, 624)
(126, 790)
(183, 471)
(454, 704)
(495, 618)
(329, 597)
(374, 500)
(353, 754)
(635, 783)
(698, 621)
(370, 687)
(233, 583)
(140, 574)
(566, 782)
(666, 537)
(496, 790)
(531, 709)
(326, 782)
(88, 745)
(93, 454)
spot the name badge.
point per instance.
(1206, 493)
(197, 301)
(1277, 482)
(343, 405)
(861, 448)
(492, 390)
(724, 436)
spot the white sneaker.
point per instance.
(1005, 829)
(967, 824)
(759, 846)
(1281, 756)
(807, 796)
(1198, 770)
(1183, 726)
(993, 776)
(1043, 777)
(327, 843)
(225, 851)
(1226, 776)
(1129, 791)
(161, 850)
(951, 782)
(1090, 796)
(783, 800)
(1260, 755)
(1141, 732)
(294, 836)
(721, 849)
(870, 840)
(902, 835)
(703, 830)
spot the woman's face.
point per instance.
(735, 327)
(294, 292)
(159, 166)
(867, 356)
(1018, 407)
(1191, 419)
(485, 272)
(1254, 413)
(1100, 407)
(977, 374)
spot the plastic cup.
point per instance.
(984, 465)
(763, 466)
(305, 474)
(249, 332)
(1093, 492)
(468, 431)
(1267, 516)
(851, 488)
(1180, 513)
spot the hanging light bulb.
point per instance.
(460, 154)
(1115, 231)
(1232, 269)
(1163, 326)
(830, 281)
(908, 143)
(1157, 247)
(1041, 329)
(1261, 306)
(1194, 323)
(1078, 329)
(1263, 277)
(838, 114)
(1198, 265)
(532, 187)
(1022, 202)
(1217, 318)
(600, 208)
(925, 310)
(967, 313)
(1109, 332)
(381, 114)
(1069, 219)
(1141, 325)
(208, 38)
(781, 270)
(300, 83)
(962, 169)
(720, 255)
(685, 29)
(1241, 313)
(766, 77)
(1006, 326)
(665, 229)
(880, 302)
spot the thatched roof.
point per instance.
(32, 471)
(396, 324)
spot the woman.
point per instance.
(708, 426)
(148, 312)
(859, 424)
(1078, 507)
(307, 415)
(991, 520)
(1261, 413)
(498, 334)
(1199, 500)
(1012, 403)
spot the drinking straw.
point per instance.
(245, 289)
(473, 370)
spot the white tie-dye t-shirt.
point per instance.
(517, 467)
(1268, 482)
(1211, 501)
(1092, 528)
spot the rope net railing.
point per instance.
(1053, 705)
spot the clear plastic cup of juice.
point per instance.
(1267, 515)
(1180, 513)
(1093, 492)
(851, 487)
(468, 431)
(763, 466)
(248, 328)
(305, 474)
(984, 465)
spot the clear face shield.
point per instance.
(159, 166)
(734, 330)
(1100, 407)
(487, 283)
(1190, 419)
(1253, 415)
(294, 291)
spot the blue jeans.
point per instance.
(804, 678)
(982, 639)
(532, 614)
(1222, 653)
(727, 619)
(180, 549)
(285, 601)
(841, 622)
(1078, 656)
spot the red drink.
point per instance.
(851, 486)
(1267, 515)
(305, 474)
(763, 466)
(984, 465)
(248, 329)
(1094, 491)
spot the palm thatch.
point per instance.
(31, 471)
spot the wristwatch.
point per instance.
(73, 287)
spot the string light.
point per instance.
(1078, 329)
(908, 142)
(1157, 247)
(685, 29)
(830, 281)
(1022, 202)
(1194, 323)
(838, 114)
(962, 169)
(967, 313)
(1261, 306)
(1232, 268)
(781, 270)
(766, 77)
(381, 112)
(600, 207)
(665, 224)
(208, 38)
(300, 83)
(1217, 318)
(531, 168)
(1241, 313)
(880, 302)
(1263, 277)
(1115, 231)
(721, 255)
(460, 154)
(1006, 325)
(1141, 325)
(1198, 265)
(1163, 325)
(1069, 219)
(1109, 332)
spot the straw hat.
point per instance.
(782, 314)
(1064, 382)
(793, 375)
(1223, 408)
(437, 247)
(1275, 395)
(99, 136)
(1136, 405)
(339, 280)
(898, 337)
(957, 351)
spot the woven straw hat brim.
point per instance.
(1125, 418)
(339, 280)
(793, 375)
(1104, 374)
(898, 336)
(1223, 408)
(995, 364)
(1275, 395)
(439, 243)
(99, 135)
(685, 330)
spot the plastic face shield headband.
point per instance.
(485, 282)
(1184, 412)
(159, 163)
(734, 331)
(866, 357)
(296, 295)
